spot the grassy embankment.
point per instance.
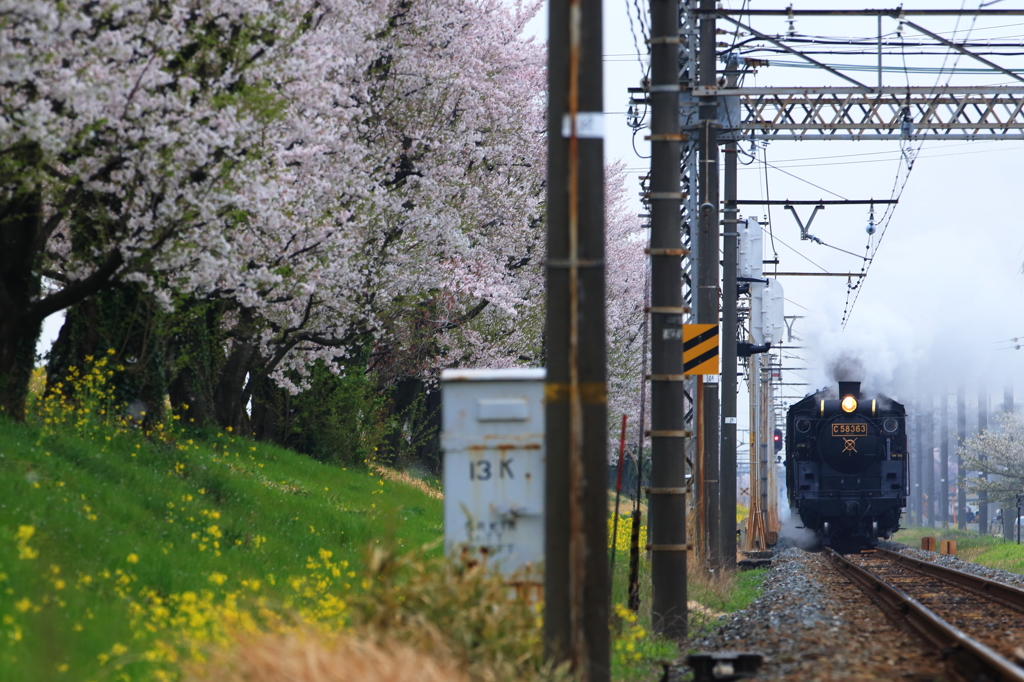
(986, 550)
(127, 555)
(121, 556)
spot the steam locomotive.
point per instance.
(847, 469)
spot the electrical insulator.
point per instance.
(907, 126)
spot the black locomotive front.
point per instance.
(846, 466)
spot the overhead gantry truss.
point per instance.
(887, 113)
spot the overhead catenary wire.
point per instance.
(926, 156)
(771, 233)
(909, 151)
(854, 289)
(644, 68)
(781, 165)
(823, 189)
(768, 195)
(797, 252)
(872, 68)
(842, 39)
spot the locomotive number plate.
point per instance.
(860, 429)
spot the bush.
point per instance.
(338, 420)
(416, 608)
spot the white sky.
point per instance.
(946, 290)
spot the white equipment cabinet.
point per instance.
(493, 441)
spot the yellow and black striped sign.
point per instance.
(700, 349)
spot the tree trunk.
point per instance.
(127, 320)
(416, 436)
(18, 339)
(78, 337)
(198, 347)
(192, 397)
(270, 405)
(20, 226)
(228, 393)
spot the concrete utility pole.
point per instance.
(707, 275)
(727, 491)
(911, 450)
(944, 456)
(921, 485)
(961, 436)
(667, 502)
(1009, 506)
(982, 427)
(798, 112)
(929, 458)
(576, 509)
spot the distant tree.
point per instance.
(625, 289)
(999, 453)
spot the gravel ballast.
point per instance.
(1014, 579)
(811, 623)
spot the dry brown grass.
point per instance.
(419, 616)
(404, 478)
(709, 594)
(311, 657)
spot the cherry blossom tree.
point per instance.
(626, 239)
(132, 137)
(461, 127)
(1000, 455)
(436, 264)
(322, 171)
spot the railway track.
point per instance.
(976, 623)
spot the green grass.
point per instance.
(987, 550)
(715, 597)
(124, 557)
(94, 530)
(747, 589)
(1008, 556)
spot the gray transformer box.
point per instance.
(492, 436)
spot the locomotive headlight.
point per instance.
(849, 404)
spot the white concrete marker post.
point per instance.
(493, 442)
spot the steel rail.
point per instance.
(1007, 595)
(969, 659)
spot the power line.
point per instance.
(773, 166)
(872, 68)
(768, 195)
(636, 43)
(783, 163)
(854, 289)
(799, 254)
(927, 156)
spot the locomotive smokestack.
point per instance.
(849, 388)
